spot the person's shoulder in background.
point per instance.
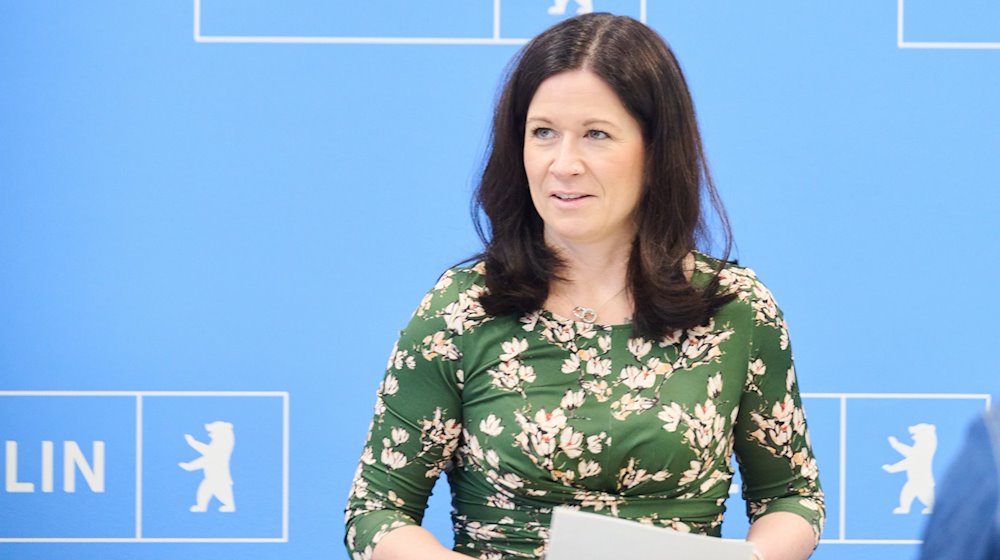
(966, 520)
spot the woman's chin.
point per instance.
(584, 234)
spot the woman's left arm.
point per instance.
(782, 536)
(780, 477)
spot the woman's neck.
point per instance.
(591, 266)
(592, 274)
(594, 277)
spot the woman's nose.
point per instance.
(568, 161)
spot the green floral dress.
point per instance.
(526, 413)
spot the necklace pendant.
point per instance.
(585, 314)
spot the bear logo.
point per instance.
(917, 462)
(214, 463)
(559, 7)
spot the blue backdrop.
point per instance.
(226, 209)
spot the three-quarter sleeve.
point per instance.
(771, 440)
(416, 425)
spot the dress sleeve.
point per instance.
(771, 441)
(417, 421)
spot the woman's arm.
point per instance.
(780, 477)
(415, 430)
(413, 543)
(782, 536)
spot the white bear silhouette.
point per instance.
(917, 461)
(559, 7)
(214, 462)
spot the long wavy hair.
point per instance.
(642, 70)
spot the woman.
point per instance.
(591, 357)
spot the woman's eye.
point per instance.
(597, 134)
(542, 133)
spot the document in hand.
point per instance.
(576, 535)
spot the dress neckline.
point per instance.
(696, 280)
(552, 316)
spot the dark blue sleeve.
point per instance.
(964, 523)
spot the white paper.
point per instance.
(577, 535)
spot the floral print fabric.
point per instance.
(527, 413)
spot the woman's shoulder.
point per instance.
(750, 293)
(455, 295)
(465, 274)
(468, 279)
(734, 278)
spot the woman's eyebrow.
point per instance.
(590, 122)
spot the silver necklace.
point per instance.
(589, 314)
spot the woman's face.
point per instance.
(583, 155)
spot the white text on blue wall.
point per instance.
(74, 461)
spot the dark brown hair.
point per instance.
(642, 70)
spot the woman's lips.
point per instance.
(570, 200)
